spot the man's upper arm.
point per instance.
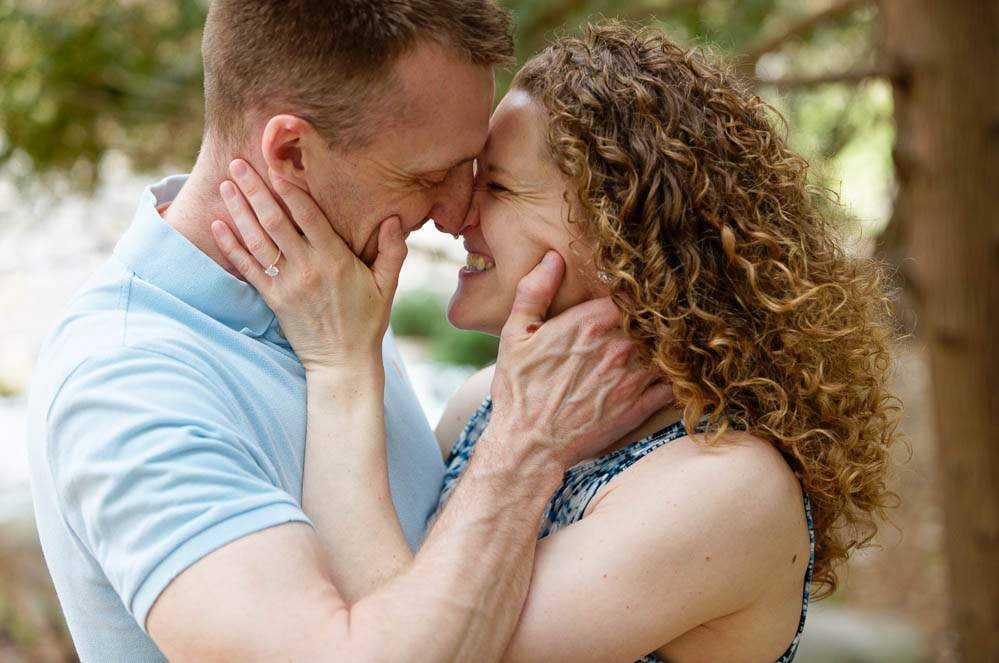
(264, 597)
(152, 473)
(461, 407)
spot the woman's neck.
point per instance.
(667, 416)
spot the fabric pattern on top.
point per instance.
(581, 483)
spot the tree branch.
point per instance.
(849, 76)
(801, 26)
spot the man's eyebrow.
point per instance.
(451, 166)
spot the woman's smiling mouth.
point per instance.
(476, 262)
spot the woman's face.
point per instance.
(518, 213)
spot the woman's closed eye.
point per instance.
(493, 186)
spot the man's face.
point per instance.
(421, 167)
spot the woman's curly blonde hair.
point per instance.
(730, 278)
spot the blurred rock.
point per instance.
(32, 629)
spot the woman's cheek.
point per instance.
(519, 236)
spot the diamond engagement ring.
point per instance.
(272, 270)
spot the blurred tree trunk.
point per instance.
(945, 56)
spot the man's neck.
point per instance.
(198, 204)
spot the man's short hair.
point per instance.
(331, 61)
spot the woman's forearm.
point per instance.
(345, 485)
(447, 603)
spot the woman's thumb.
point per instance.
(391, 254)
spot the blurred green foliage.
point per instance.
(417, 314)
(6, 390)
(421, 314)
(80, 80)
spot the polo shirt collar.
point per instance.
(156, 253)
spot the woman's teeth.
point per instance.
(478, 263)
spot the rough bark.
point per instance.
(946, 55)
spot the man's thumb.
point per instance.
(391, 254)
(537, 289)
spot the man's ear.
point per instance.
(283, 145)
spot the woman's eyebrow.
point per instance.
(499, 170)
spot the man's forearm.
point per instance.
(462, 596)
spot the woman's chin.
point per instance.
(464, 313)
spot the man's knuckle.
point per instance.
(619, 356)
(634, 382)
(590, 329)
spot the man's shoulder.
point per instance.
(103, 340)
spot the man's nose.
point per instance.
(470, 221)
(452, 211)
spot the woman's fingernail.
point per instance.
(238, 168)
(228, 190)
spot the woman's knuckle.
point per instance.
(254, 243)
(304, 220)
(271, 222)
(310, 278)
(249, 187)
(244, 264)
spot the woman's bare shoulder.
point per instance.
(740, 481)
(461, 407)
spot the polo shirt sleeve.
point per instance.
(153, 471)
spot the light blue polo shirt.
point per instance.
(167, 419)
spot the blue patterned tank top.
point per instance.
(581, 483)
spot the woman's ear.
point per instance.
(283, 145)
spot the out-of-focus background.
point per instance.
(100, 98)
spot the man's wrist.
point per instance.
(523, 458)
